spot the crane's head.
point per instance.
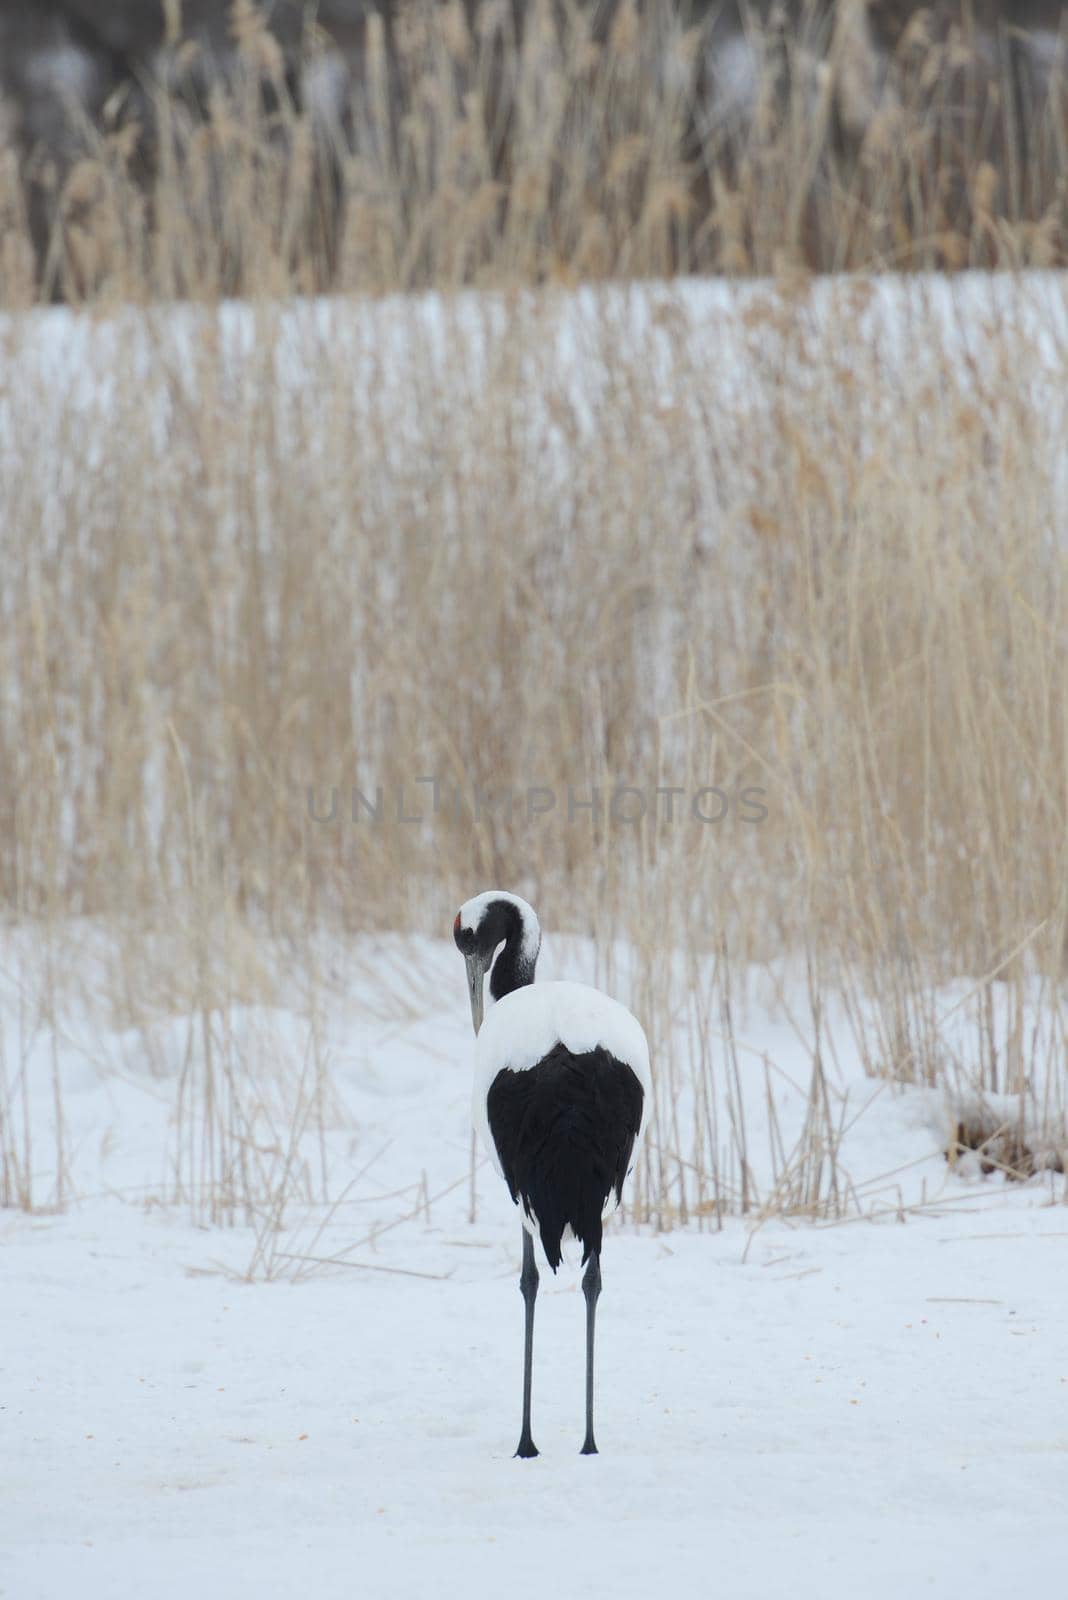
(502, 926)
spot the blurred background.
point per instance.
(599, 136)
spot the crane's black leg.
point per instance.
(528, 1288)
(591, 1288)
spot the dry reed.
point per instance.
(567, 150)
(265, 569)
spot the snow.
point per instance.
(878, 1405)
(702, 345)
(871, 1408)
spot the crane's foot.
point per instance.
(527, 1448)
(589, 1448)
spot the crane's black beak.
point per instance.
(476, 972)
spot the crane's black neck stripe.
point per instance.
(513, 968)
(564, 1131)
(501, 927)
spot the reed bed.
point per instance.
(557, 141)
(727, 624)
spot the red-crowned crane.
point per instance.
(562, 1095)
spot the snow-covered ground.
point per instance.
(876, 1409)
(875, 1405)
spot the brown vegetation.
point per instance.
(805, 540)
(440, 144)
(798, 543)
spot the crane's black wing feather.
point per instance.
(564, 1131)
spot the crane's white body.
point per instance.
(521, 1029)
